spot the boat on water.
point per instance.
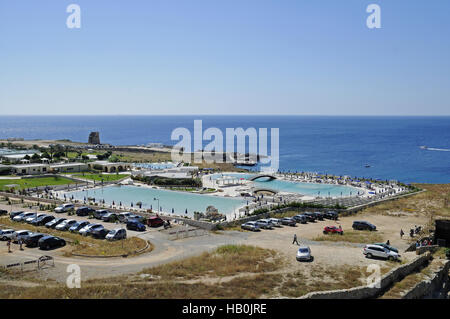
(367, 166)
(424, 147)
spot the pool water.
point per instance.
(309, 189)
(168, 200)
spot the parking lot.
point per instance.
(336, 253)
(326, 253)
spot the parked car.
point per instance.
(250, 226)
(137, 218)
(123, 217)
(6, 234)
(30, 219)
(99, 233)
(116, 234)
(319, 215)
(371, 251)
(275, 222)
(65, 225)
(33, 239)
(387, 246)
(109, 217)
(42, 220)
(3, 212)
(78, 225)
(300, 219)
(289, 221)
(333, 230)
(49, 242)
(155, 221)
(363, 225)
(84, 211)
(85, 231)
(135, 225)
(331, 215)
(22, 216)
(14, 214)
(64, 208)
(304, 254)
(310, 216)
(20, 234)
(264, 224)
(98, 214)
(53, 223)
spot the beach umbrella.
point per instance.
(131, 204)
(113, 203)
(120, 204)
(173, 210)
(151, 207)
(186, 211)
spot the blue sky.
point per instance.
(225, 57)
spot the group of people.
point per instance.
(412, 231)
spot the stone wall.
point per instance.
(365, 292)
(428, 287)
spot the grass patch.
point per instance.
(24, 183)
(246, 287)
(434, 201)
(353, 236)
(224, 261)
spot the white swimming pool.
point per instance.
(310, 189)
(169, 201)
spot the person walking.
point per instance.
(9, 245)
(388, 242)
(295, 240)
(20, 244)
(401, 233)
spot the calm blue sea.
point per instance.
(335, 145)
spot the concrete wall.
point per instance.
(364, 292)
(428, 287)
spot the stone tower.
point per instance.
(94, 138)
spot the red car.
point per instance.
(155, 221)
(333, 230)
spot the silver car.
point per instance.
(64, 208)
(31, 218)
(250, 226)
(264, 224)
(304, 254)
(6, 234)
(20, 234)
(276, 222)
(23, 216)
(65, 225)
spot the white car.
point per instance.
(64, 208)
(304, 253)
(275, 221)
(371, 251)
(23, 216)
(65, 225)
(20, 234)
(6, 234)
(31, 218)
